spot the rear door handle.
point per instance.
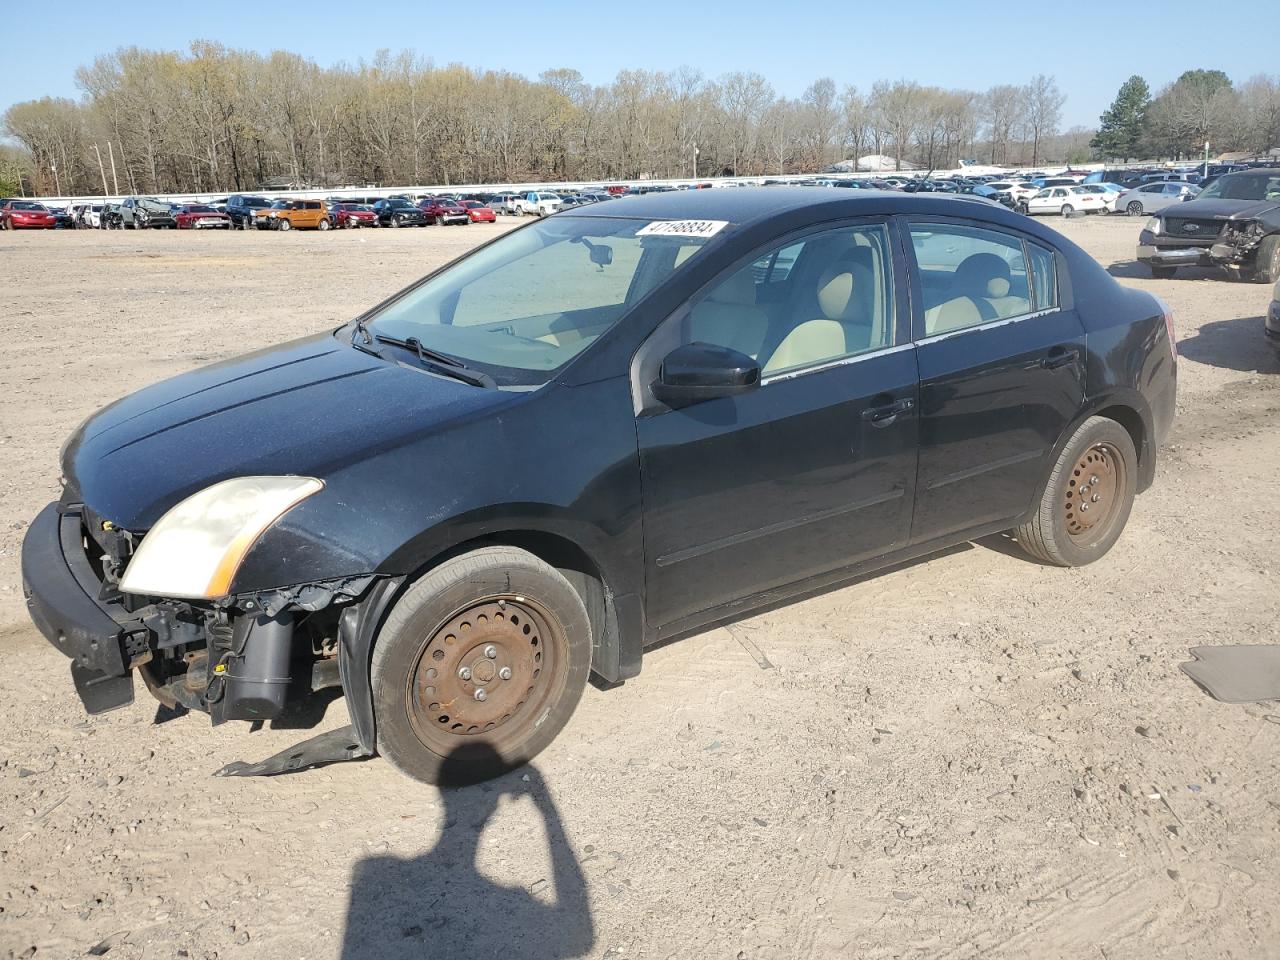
(885, 414)
(1059, 357)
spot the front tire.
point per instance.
(1087, 499)
(325, 225)
(478, 666)
(283, 224)
(1266, 267)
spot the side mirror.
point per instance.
(701, 371)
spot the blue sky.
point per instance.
(972, 45)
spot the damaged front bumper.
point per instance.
(1230, 245)
(104, 641)
(237, 658)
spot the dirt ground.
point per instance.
(970, 756)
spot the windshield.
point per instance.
(200, 208)
(148, 203)
(523, 306)
(1248, 186)
(28, 205)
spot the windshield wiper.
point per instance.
(440, 363)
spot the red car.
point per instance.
(442, 210)
(477, 212)
(26, 215)
(351, 215)
(198, 216)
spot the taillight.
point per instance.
(1168, 326)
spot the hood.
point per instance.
(308, 408)
(1214, 209)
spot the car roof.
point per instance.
(747, 204)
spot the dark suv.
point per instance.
(399, 213)
(241, 207)
(1233, 223)
(143, 213)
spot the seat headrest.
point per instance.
(835, 289)
(984, 275)
(738, 289)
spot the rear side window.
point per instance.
(969, 276)
(1044, 277)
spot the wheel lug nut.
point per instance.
(1094, 498)
(464, 673)
(505, 673)
(1093, 479)
(480, 694)
(1084, 507)
(491, 652)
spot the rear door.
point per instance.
(1001, 372)
(810, 472)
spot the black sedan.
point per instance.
(399, 213)
(600, 431)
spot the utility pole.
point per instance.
(695, 161)
(1206, 158)
(114, 179)
(101, 170)
(57, 184)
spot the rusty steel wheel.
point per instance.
(486, 672)
(1087, 496)
(478, 666)
(1091, 495)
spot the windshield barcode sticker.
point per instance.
(682, 228)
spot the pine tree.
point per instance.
(1124, 121)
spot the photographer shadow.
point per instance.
(439, 905)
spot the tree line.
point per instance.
(1201, 106)
(220, 119)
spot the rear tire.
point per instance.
(1096, 471)
(1134, 208)
(497, 620)
(1067, 210)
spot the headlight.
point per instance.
(1153, 225)
(195, 549)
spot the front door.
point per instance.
(1001, 374)
(810, 472)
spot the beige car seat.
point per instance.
(729, 317)
(981, 286)
(843, 328)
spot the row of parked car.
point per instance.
(248, 211)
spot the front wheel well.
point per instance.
(573, 563)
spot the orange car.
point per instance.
(291, 215)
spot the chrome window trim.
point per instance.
(989, 325)
(837, 362)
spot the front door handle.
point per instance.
(1060, 357)
(885, 414)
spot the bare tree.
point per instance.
(1043, 111)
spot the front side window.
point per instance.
(835, 301)
(969, 276)
(525, 305)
